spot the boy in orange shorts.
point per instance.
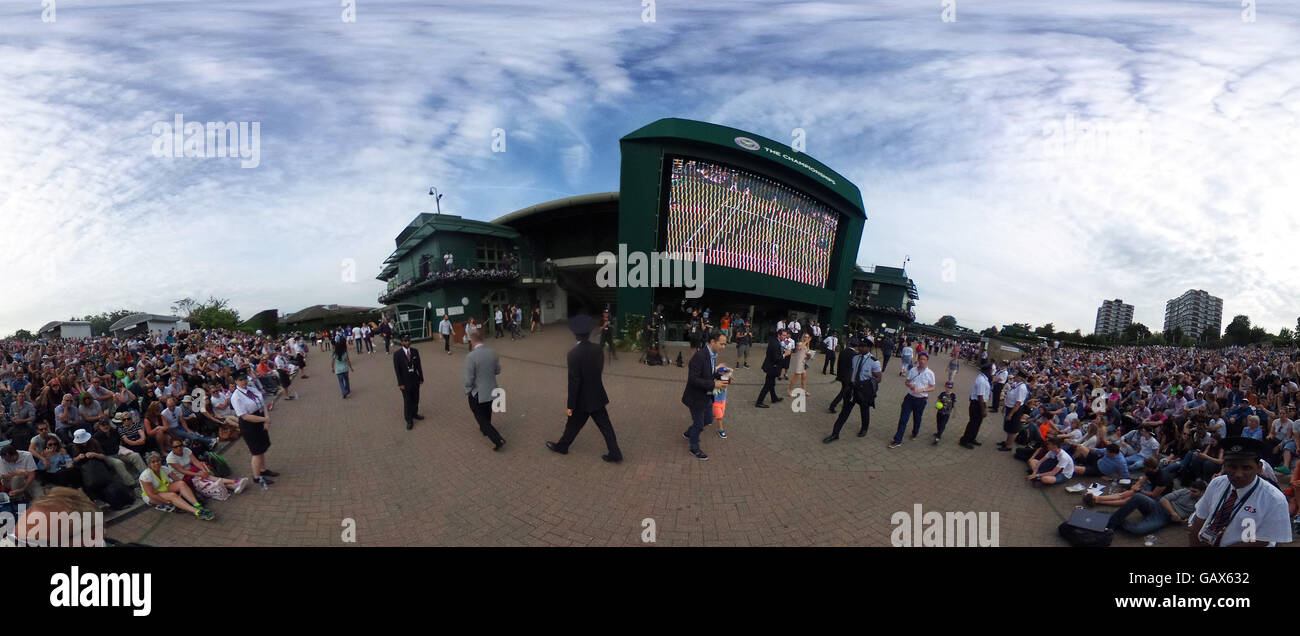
(720, 399)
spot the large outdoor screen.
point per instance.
(736, 218)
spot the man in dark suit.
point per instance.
(844, 373)
(700, 384)
(410, 375)
(863, 367)
(773, 362)
(481, 369)
(587, 396)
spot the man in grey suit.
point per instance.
(481, 369)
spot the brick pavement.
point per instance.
(772, 482)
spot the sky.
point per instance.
(1030, 158)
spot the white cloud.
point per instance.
(940, 124)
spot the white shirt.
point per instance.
(1267, 507)
(1017, 395)
(245, 401)
(356, 332)
(1066, 462)
(444, 327)
(183, 460)
(907, 352)
(981, 389)
(830, 343)
(497, 316)
(920, 382)
(1001, 376)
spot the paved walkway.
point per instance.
(772, 482)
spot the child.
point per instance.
(720, 399)
(943, 411)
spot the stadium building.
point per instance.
(706, 217)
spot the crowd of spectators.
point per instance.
(1152, 424)
(101, 414)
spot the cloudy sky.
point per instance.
(1032, 158)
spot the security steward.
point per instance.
(1239, 507)
(410, 375)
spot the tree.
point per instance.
(946, 322)
(1285, 337)
(1259, 335)
(24, 335)
(185, 307)
(1047, 331)
(1135, 333)
(214, 314)
(1176, 336)
(1017, 330)
(990, 332)
(1238, 331)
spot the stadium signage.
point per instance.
(750, 144)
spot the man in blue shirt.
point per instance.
(1109, 463)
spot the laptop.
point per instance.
(1089, 519)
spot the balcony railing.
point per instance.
(438, 278)
(504, 273)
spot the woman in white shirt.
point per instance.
(159, 489)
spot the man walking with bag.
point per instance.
(865, 376)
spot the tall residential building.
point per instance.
(1113, 316)
(1194, 311)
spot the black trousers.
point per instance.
(863, 410)
(446, 343)
(829, 362)
(388, 344)
(973, 427)
(411, 401)
(997, 396)
(579, 419)
(483, 415)
(846, 393)
(769, 386)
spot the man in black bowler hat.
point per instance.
(587, 396)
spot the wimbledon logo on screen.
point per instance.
(750, 144)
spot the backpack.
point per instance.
(217, 463)
(1083, 538)
(864, 391)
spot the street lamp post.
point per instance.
(433, 192)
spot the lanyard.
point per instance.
(1239, 505)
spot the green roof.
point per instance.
(425, 225)
(888, 276)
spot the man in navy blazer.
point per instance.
(700, 384)
(587, 398)
(777, 358)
